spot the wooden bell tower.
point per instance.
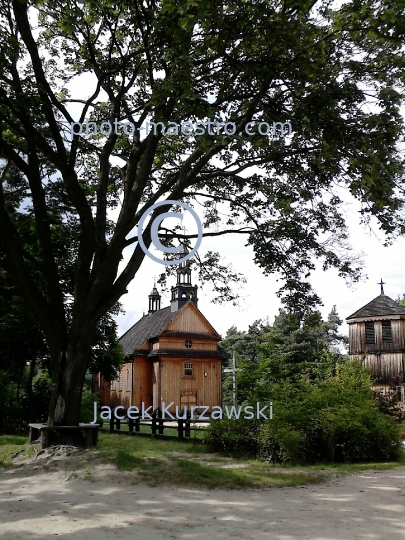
(377, 333)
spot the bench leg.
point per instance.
(88, 438)
(34, 434)
(45, 438)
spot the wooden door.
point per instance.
(188, 398)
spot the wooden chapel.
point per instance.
(171, 355)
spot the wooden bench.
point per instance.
(44, 433)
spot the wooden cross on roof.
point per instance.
(381, 283)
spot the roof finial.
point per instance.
(183, 241)
(381, 283)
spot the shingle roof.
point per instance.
(381, 306)
(145, 328)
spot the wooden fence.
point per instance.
(157, 425)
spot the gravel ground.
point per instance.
(39, 504)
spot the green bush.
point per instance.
(87, 406)
(336, 420)
(236, 437)
(41, 389)
(15, 414)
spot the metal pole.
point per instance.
(234, 379)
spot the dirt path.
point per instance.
(40, 505)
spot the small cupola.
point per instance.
(154, 300)
(183, 291)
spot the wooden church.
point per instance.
(377, 334)
(171, 355)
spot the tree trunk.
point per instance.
(31, 407)
(68, 372)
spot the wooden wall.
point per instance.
(386, 366)
(119, 393)
(156, 384)
(190, 320)
(161, 378)
(140, 390)
(178, 343)
(357, 337)
(142, 382)
(203, 388)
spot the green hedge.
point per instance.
(335, 420)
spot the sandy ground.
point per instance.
(38, 505)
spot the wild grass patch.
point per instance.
(10, 445)
(158, 462)
(189, 463)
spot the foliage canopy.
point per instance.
(169, 61)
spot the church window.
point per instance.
(386, 332)
(370, 333)
(120, 382)
(128, 380)
(184, 295)
(188, 369)
(188, 344)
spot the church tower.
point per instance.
(154, 300)
(377, 334)
(183, 291)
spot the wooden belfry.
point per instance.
(377, 332)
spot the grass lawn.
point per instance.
(173, 462)
(10, 445)
(189, 463)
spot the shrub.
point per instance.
(236, 437)
(336, 419)
(87, 406)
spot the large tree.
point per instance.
(336, 75)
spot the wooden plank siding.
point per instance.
(143, 382)
(386, 361)
(386, 367)
(159, 375)
(176, 343)
(205, 383)
(190, 320)
(119, 394)
(357, 337)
